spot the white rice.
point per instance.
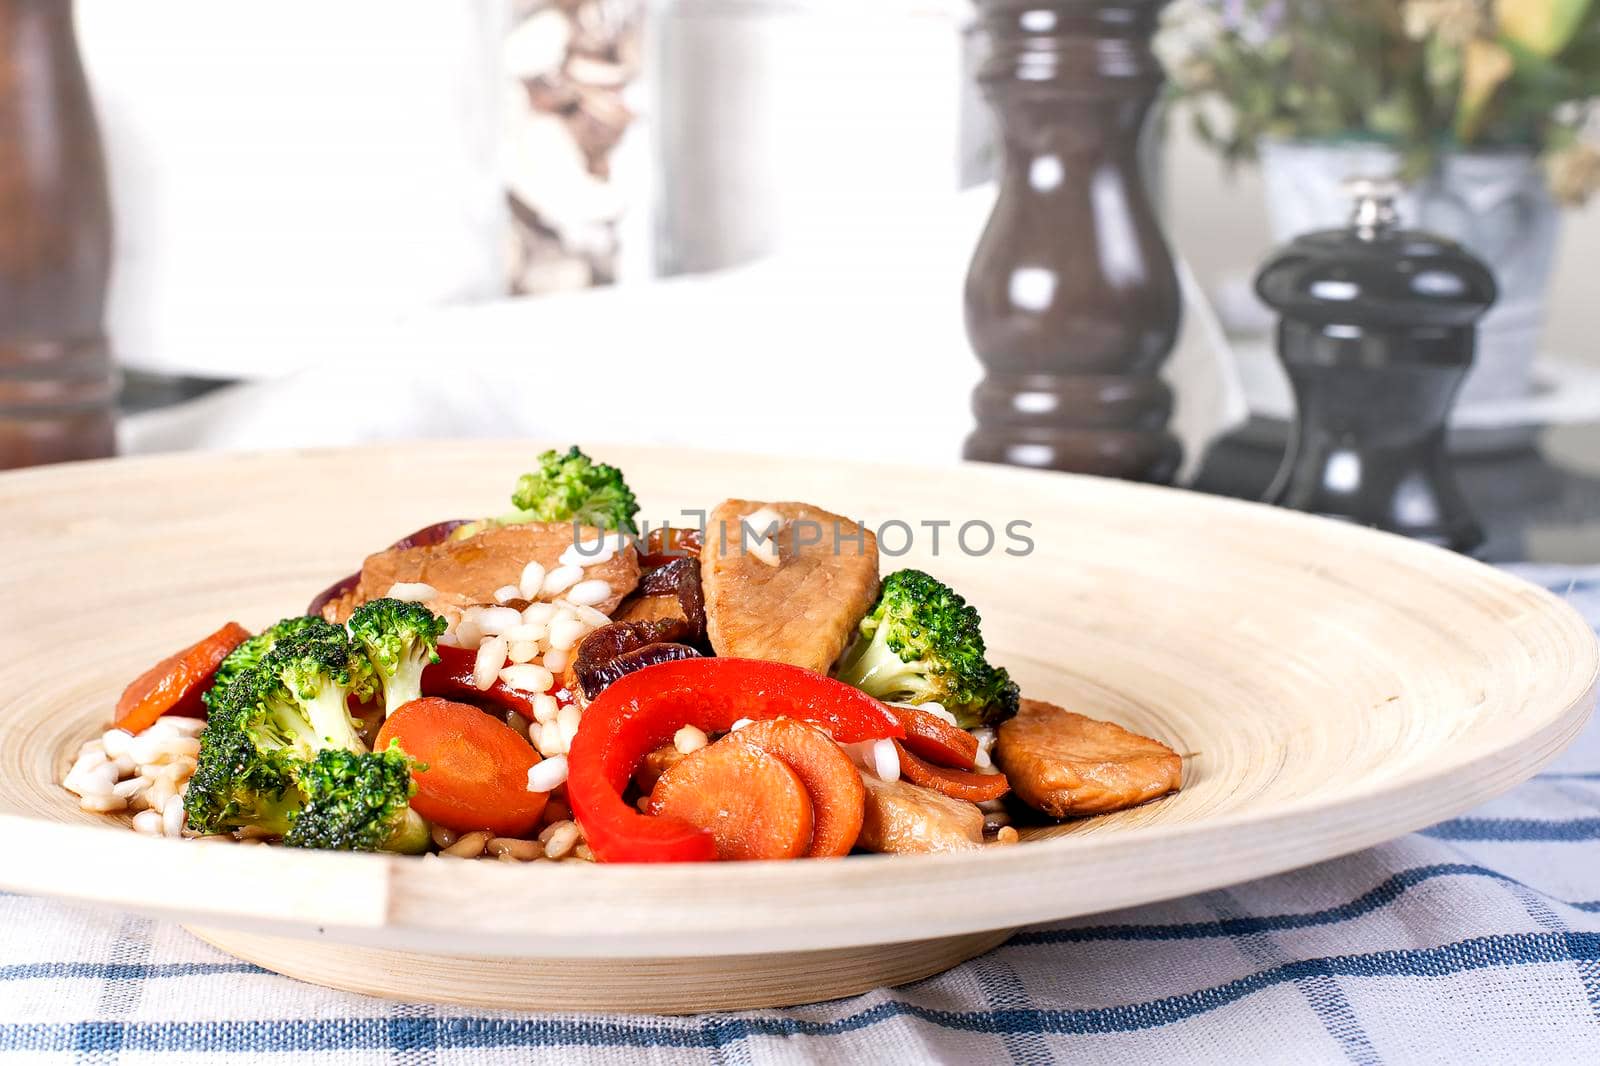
(567, 720)
(690, 739)
(763, 522)
(545, 708)
(886, 760)
(548, 740)
(490, 661)
(588, 615)
(532, 582)
(497, 620)
(548, 775)
(983, 761)
(561, 579)
(588, 593)
(526, 677)
(538, 614)
(412, 592)
(145, 772)
(593, 552)
(114, 743)
(172, 817)
(566, 632)
(530, 633)
(466, 633)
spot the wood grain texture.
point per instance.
(657, 985)
(1332, 687)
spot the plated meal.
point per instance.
(558, 683)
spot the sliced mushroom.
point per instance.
(618, 649)
(669, 592)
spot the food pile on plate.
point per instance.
(553, 684)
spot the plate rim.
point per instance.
(389, 877)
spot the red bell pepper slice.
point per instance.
(452, 678)
(641, 711)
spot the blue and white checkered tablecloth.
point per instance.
(1475, 941)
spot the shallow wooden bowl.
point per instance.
(1332, 688)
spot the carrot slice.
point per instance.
(838, 799)
(753, 805)
(935, 739)
(175, 684)
(477, 767)
(958, 784)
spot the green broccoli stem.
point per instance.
(297, 734)
(406, 684)
(330, 718)
(874, 668)
(411, 837)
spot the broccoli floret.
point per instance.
(922, 643)
(304, 685)
(255, 770)
(245, 774)
(358, 802)
(399, 640)
(248, 655)
(575, 488)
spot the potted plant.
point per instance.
(1487, 109)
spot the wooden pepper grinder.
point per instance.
(57, 382)
(1072, 303)
(1377, 333)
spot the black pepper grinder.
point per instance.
(1377, 331)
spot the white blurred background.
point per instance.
(302, 186)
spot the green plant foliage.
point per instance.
(1422, 76)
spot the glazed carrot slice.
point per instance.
(175, 684)
(838, 799)
(958, 784)
(753, 805)
(477, 767)
(935, 739)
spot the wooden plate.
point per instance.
(1334, 688)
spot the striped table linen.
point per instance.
(1475, 941)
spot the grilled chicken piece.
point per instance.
(902, 817)
(655, 764)
(469, 571)
(1065, 764)
(801, 607)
